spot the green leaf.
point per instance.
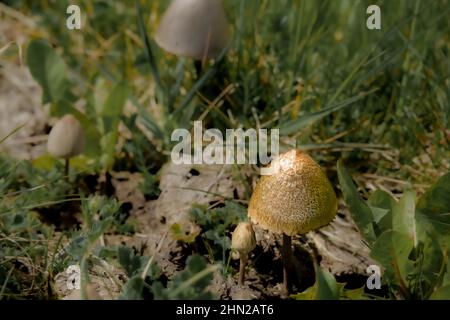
(430, 265)
(111, 114)
(133, 289)
(308, 294)
(392, 250)
(327, 288)
(63, 107)
(381, 203)
(189, 284)
(403, 216)
(48, 69)
(361, 213)
(45, 162)
(443, 293)
(434, 206)
(446, 278)
(115, 102)
(129, 261)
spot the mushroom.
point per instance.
(66, 139)
(196, 29)
(295, 199)
(243, 241)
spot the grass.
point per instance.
(379, 99)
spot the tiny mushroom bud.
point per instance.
(243, 241)
(66, 139)
(196, 29)
(296, 199)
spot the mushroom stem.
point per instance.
(243, 262)
(286, 253)
(198, 64)
(66, 169)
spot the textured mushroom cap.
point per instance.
(194, 29)
(66, 139)
(243, 239)
(295, 199)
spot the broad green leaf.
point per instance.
(443, 293)
(327, 288)
(92, 139)
(403, 216)
(381, 203)
(48, 69)
(115, 102)
(378, 214)
(446, 278)
(381, 199)
(392, 250)
(430, 266)
(361, 213)
(433, 208)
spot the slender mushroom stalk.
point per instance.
(243, 241)
(288, 263)
(66, 167)
(66, 140)
(195, 29)
(295, 199)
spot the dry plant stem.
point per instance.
(66, 169)
(243, 262)
(286, 253)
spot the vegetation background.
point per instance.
(377, 99)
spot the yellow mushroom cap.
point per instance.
(296, 199)
(194, 29)
(66, 139)
(243, 239)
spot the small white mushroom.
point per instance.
(66, 139)
(196, 29)
(243, 241)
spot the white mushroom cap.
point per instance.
(194, 29)
(243, 239)
(66, 139)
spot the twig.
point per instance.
(147, 267)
